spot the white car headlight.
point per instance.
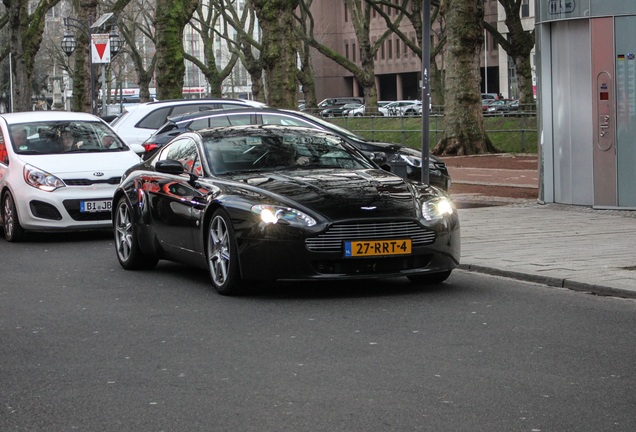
(274, 214)
(437, 208)
(41, 179)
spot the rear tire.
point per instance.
(222, 255)
(13, 231)
(430, 279)
(129, 253)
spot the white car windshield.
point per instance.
(54, 137)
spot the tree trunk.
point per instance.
(279, 50)
(256, 76)
(82, 97)
(463, 122)
(524, 80)
(25, 37)
(171, 16)
(518, 45)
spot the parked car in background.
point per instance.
(400, 108)
(360, 111)
(336, 102)
(58, 171)
(356, 112)
(489, 96)
(280, 203)
(400, 159)
(141, 120)
(500, 106)
(350, 107)
(339, 111)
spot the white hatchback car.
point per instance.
(140, 121)
(401, 108)
(58, 171)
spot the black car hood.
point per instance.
(339, 194)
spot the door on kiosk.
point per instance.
(625, 67)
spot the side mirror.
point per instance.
(169, 166)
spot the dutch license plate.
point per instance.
(377, 247)
(95, 206)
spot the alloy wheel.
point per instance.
(123, 232)
(219, 251)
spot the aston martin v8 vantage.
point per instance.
(281, 203)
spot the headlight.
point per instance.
(41, 179)
(437, 208)
(417, 162)
(413, 161)
(274, 214)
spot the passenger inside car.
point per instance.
(108, 141)
(69, 143)
(19, 137)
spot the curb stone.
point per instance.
(551, 281)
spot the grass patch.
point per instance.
(508, 134)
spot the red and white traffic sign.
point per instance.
(100, 48)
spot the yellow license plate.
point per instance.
(377, 248)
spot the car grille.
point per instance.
(90, 182)
(368, 266)
(332, 240)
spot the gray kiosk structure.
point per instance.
(586, 71)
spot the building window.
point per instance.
(397, 48)
(525, 8)
(347, 51)
(353, 52)
(390, 48)
(382, 55)
(346, 13)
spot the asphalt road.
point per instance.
(88, 346)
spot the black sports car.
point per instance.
(401, 160)
(281, 203)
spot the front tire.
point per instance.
(430, 279)
(13, 231)
(222, 255)
(129, 253)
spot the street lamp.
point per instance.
(89, 28)
(115, 43)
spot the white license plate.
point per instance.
(95, 206)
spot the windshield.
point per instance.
(63, 137)
(279, 151)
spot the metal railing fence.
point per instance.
(514, 132)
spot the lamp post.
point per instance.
(426, 87)
(90, 29)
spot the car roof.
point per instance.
(223, 111)
(253, 129)
(42, 116)
(245, 102)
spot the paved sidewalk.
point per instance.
(574, 247)
(565, 246)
